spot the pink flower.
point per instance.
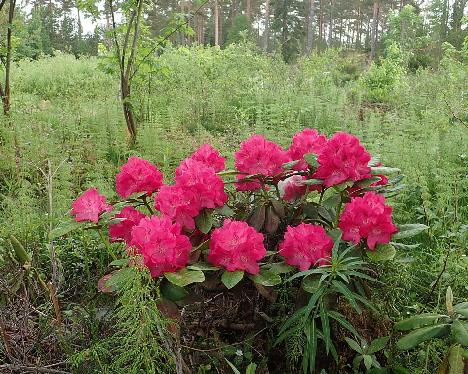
(292, 188)
(342, 159)
(89, 206)
(122, 231)
(306, 141)
(236, 246)
(137, 176)
(179, 204)
(160, 242)
(209, 156)
(305, 245)
(367, 217)
(260, 156)
(202, 180)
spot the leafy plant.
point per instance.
(429, 326)
(366, 352)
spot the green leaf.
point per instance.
(460, 332)
(325, 327)
(379, 170)
(383, 252)
(311, 159)
(21, 254)
(366, 182)
(272, 220)
(257, 219)
(120, 278)
(280, 268)
(421, 320)
(367, 361)
(251, 369)
(354, 345)
(418, 336)
(204, 221)
(185, 277)
(310, 284)
(409, 230)
(203, 266)
(289, 165)
(231, 278)
(343, 186)
(449, 300)
(278, 207)
(343, 322)
(266, 278)
(312, 182)
(404, 246)
(234, 369)
(225, 211)
(462, 309)
(378, 344)
(64, 228)
(455, 360)
(312, 345)
(120, 262)
(350, 296)
(357, 362)
(172, 292)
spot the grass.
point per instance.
(70, 115)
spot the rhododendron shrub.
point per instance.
(297, 196)
(313, 210)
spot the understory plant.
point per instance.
(311, 218)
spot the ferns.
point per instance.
(140, 343)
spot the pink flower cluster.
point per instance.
(258, 156)
(137, 176)
(163, 247)
(196, 187)
(368, 218)
(162, 243)
(342, 159)
(236, 246)
(304, 142)
(89, 206)
(209, 156)
(306, 245)
(122, 231)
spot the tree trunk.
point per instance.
(310, 26)
(375, 26)
(6, 92)
(330, 30)
(233, 11)
(358, 28)
(216, 22)
(248, 10)
(127, 108)
(284, 31)
(321, 21)
(200, 29)
(80, 26)
(266, 33)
